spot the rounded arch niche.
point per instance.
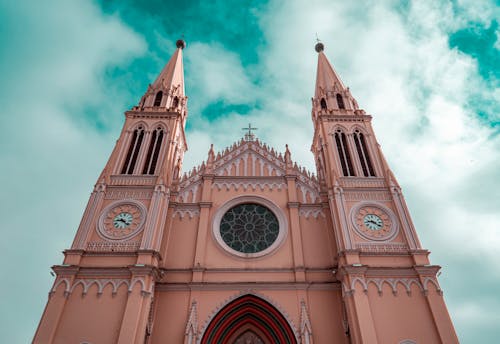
(249, 316)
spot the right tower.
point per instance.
(389, 288)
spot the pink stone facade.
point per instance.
(149, 263)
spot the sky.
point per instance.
(427, 71)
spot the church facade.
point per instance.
(248, 247)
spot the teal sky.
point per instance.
(426, 70)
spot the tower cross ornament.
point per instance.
(249, 136)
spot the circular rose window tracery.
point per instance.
(249, 228)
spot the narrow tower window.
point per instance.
(362, 150)
(175, 102)
(133, 151)
(344, 156)
(153, 152)
(340, 101)
(158, 97)
(323, 103)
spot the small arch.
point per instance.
(249, 312)
(175, 102)
(158, 98)
(340, 101)
(323, 104)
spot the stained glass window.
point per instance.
(249, 228)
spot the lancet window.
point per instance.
(343, 152)
(364, 157)
(158, 98)
(323, 103)
(340, 101)
(133, 151)
(175, 102)
(153, 151)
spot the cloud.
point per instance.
(54, 57)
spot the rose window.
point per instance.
(249, 228)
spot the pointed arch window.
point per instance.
(323, 103)
(133, 151)
(340, 101)
(175, 102)
(364, 157)
(153, 151)
(158, 98)
(343, 152)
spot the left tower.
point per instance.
(103, 291)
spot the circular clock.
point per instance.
(374, 221)
(121, 220)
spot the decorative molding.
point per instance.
(127, 179)
(205, 286)
(192, 324)
(305, 324)
(362, 182)
(86, 283)
(119, 193)
(311, 211)
(182, 212)
(278, 212)
(249, 184)
(392, 282)
(101, 246)
(367, 195)
(382, 248)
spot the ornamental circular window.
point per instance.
(249, 228)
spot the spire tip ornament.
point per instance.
(181, 43)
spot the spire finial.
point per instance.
(181, 43)
(319, 47)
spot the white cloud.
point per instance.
(51, 154)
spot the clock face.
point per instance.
(373, 222)
(121, 220)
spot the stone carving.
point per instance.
(183, 212)
(311, 212)
(100, 246)
(133, 180)
(392, 282)
(305, 324)
(192, 324)
(86, 283)
(382, 248)
(249, 184)
(127, 193)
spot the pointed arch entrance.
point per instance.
(248, 319)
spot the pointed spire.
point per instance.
(330, 92)
(173, 72)
(167, 91)
(326, 76)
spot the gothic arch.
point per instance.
(137, 125)
(248, 312)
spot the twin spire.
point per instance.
(167, 93)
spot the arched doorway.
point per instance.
(248, 320)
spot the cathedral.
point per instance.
(248, 247)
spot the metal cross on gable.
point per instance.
(249, 136)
